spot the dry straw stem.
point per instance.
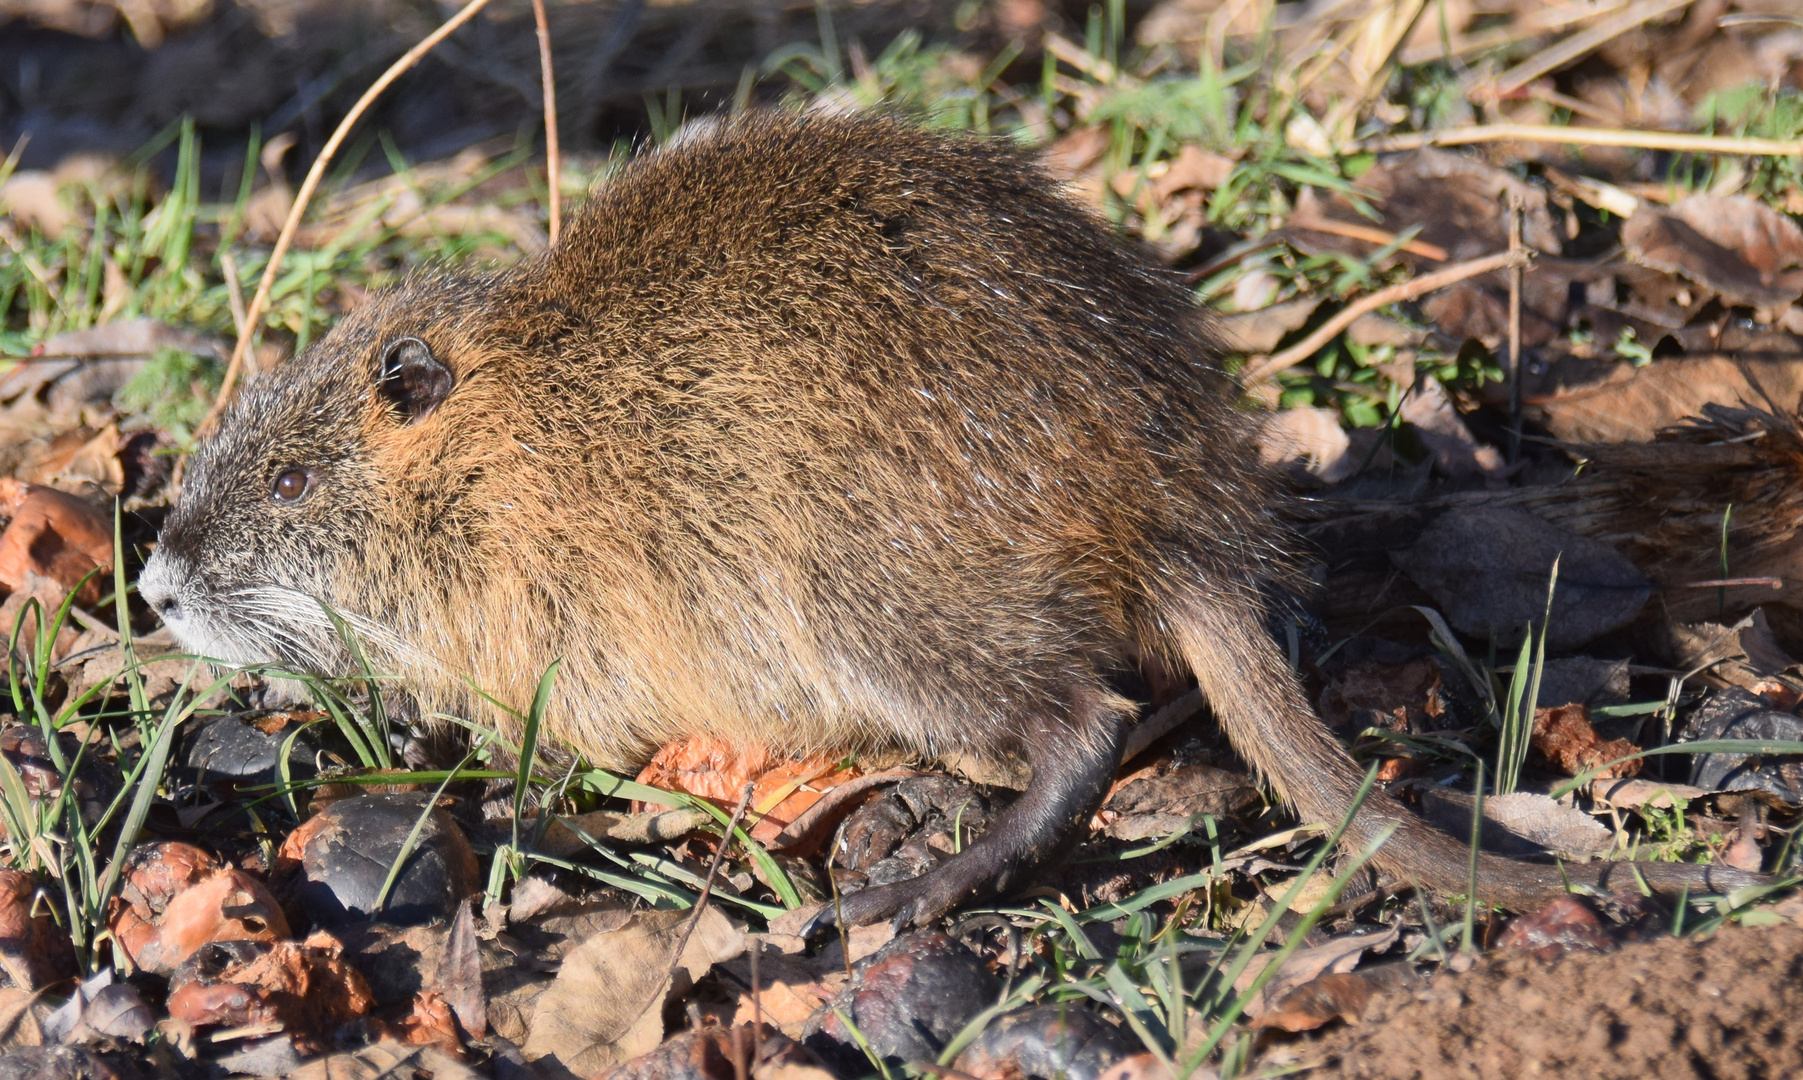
(553, 159)
(1367, 234)
(1571, 48)
(305, 195)
(1570, 136)
(1395, 294)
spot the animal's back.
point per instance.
(892, 441)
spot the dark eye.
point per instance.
(291, 485)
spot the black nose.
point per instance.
(169, 609)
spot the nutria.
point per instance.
(815, 432)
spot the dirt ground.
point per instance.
(1726, 1008)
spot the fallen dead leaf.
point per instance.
(1314, 1003)
(1260, 330)
(305, 988)
(1407, 697)
(384, 1061)
(1564, 738)
(1488, 567)
(34, 951)
(49, 595)
(1635, 794)
(1736, 245)
(1193, 167)
(1457, 453)
(54, 535)
(1560, 927)
(1522, 823)
(606, 1005)
(1337, 956)
(722, 1053)
(30, 197)
(783, 788)
(1311, 438)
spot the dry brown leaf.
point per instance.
(34, 951)
(1075, 152)
(1736, 245)
(1460, 206)
(1627, 794)
(1457, 453)
(783, 788)
(1627, 404)
(30, 196)
(1564, 738)
(1310, 438)
(1406, 697)
(1563, 830)
(1338, 956)
(1487, 568)
(52, 535)
(606, 1005)
(1318, 1001)
(1192, 168)
(306, 987)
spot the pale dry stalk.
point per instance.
(1266, 367)
(314, 175)
(553, 159)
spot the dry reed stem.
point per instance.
(1516, 209)
(1570, 136)
(1557, 56)
(1368, 234)
(553, 160)
(304, 196)
(1095, 67)
(1407, 290)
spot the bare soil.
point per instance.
(1729, 1007)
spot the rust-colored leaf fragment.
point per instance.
(304, 987)
(176, 898)
(54, 535)
(1562, 926)
(34, 950)
(1317, 1002)
(1563, 736)
(713, 769)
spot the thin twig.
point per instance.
(1368, 234)
(1677, 142)
(305, 195)
(1395, 294)
(1516, 369)
(707, 883)
(757, 1002)
(234, 292)
(553, 160)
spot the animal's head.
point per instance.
(284, 506)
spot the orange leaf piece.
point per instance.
(712, 769)
(54, 535)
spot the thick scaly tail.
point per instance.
(1260, 704)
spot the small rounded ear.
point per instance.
(412, 378)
